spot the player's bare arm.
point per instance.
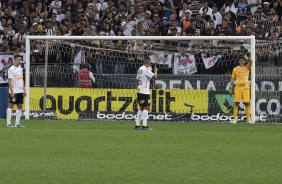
(155, 73)
(250, 62)
(10, 81)
(24, 92)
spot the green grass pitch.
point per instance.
(79, 152)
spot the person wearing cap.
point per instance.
(259, 16)
(156, 4)
(269, 22)
(164, 27)
(253, 5)
(147, 21)
(215, 15)
(266, 7)
(156, 21)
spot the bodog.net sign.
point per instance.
(69, 102)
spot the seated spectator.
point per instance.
(195, 5)
(200, 23)
(168, 8)
(21, 35)
(266, 7)
(230, 5)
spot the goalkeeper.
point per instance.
(240, 76)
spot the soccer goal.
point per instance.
(192, 85)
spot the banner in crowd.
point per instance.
(161, 59)
(209, 61)
(184, 64)
(69, 102)
(5, 61)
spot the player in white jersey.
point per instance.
(144, 75)
(16, 91)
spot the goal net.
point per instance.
(192, 85)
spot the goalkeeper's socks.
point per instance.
(18, 116)
(9, 116)
(145, 116)
(248, 112)
(139, 117)
(235, 112)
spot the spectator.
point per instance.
(50, 31)
(21, 35)
(186, 22)
(200, 24)
(215, 15)
(278, 8)
(14, 47)
(205, 9)
(56, 5)
(79, 11)
(156, 5)
(164, 27)
(108, 31)
(182, 13)
(242, 11)
(173, 27)
(39, 11)
(127, 25)
(139, 30)
(147, 21)
(266, 7)
(168, 8)
(260, 16)
(230, 5)
(5, 45)
(253, 4)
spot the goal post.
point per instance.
(237, 39)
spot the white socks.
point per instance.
(18, 116)
(145, 116)
(139, 117)
(9, 115)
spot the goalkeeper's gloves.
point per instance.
(230, 90)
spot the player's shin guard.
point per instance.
(248, 112)
(18, 116)
(139, 117)
(9, 116)
(235, 112)
(145, 116)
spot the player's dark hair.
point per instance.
(146, 60)
(16, 56)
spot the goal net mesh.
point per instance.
(192, 84)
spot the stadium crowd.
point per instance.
(130, 18)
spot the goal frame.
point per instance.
(27, 64)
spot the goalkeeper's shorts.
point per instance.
(240, 94)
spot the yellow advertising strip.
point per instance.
(67, 102)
